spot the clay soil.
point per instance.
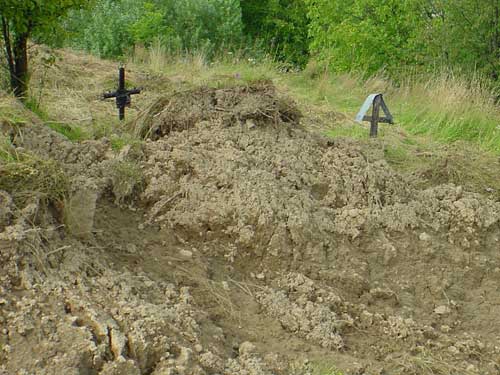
(247, 245)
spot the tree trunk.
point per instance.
(21, 77)
(8, 51)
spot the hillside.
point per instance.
(235, 226)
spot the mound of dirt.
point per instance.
(407, 261)
(255, 247)
(251, 105)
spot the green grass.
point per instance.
(325, 369)
(7, 151)
(11, 111)
(34, 106)
(396, 155)
(73, 133)
(120, 141)
(356, 132)
(447, 108)
(442, 106)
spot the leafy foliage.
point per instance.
(104, 29)
(365, 35)
(359, 35)
(371, 35)
(282, 24)
(19, 20)
(27, 15)
(114, 26)
(463, 33)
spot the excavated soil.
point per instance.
(250, 105)
(249, 245)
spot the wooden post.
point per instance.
(375, 117)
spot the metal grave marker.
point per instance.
(122, 95)
(377, 101)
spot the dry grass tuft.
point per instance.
(27, 176)
(127, 179)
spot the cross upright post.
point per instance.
(121, 89)
(375, 117)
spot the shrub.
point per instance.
(113, 27)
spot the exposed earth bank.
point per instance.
(236, 241)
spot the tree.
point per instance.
(281, 24)
(464, 33)
(19, 20)
(112, 27)
(365, 35)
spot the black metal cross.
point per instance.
(122, 95)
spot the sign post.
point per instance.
(377, 102)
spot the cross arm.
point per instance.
(385, 120)
(110, 94)
(135, 90)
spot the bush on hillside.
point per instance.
(113, 27)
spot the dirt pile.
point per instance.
(85, 308)
(273, 190)
(253, 247)
(250, 105)
(271, 199)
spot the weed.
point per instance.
(7, 150)
(103, 129)
(356, 131)
(11, 111)
(34, 106)
(324, 369)
(16, 115)
(446, 107)
(464, 165)
(127, 179)
(73, 132)
(120, 141)
(396, 154)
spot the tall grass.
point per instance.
(157, 57)
(196, 67)
(450, 108)
(444, 106)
